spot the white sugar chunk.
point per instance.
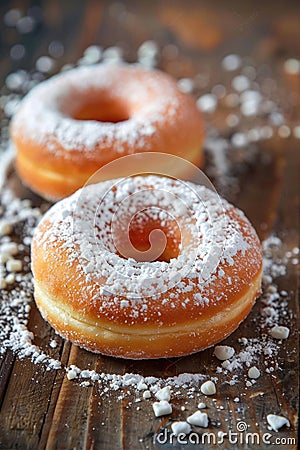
(142, 386)
(181, 427)
(71, 374)
(11, 17)
(239, 140)
(199, 419)
(14, 265)
(5, 228)
(202, 405)
(162, 408)
(231, 62)
(10, 278)
(146, 394)
(207, 103)
(45, 64)
(10, 248)
(280, 332)
(208, 388)
(148, 49)
(223, 352)
(240, 83)
(292, 66)
(164, 394)
(4, 257)
(186, 85)
(92, 54)
(254, 372)
(3, 283)
(277, 422)
(296, 131)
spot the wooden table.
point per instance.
(42, 409)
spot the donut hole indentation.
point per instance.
(102, 108)
(149, 238)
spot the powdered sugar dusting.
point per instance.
(216, 236)
(48, 113)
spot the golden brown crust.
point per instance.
(169, 324)
(150, 341)
(45, 158)
(77, 293)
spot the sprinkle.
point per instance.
(219, 90)
(280, 332)
(148, 50)
(239, 140)
(240, 83)
(92, 54)
(277, 422)
(232, 120)
(232, 100)
(71, 374)
(201, 405)
(223, 352)
(292, 66)
(208, 388)
(45, 64)
(231, 62)
(181, 428)
(56, 49)
(164, 394)
(186, 85)
(11, 17)
(207, 103)
(112, 54)
(284, 131)
(142, 387)
(296, 132)
(253, 372)
(5, 228)
(25, 24)
(10, 278)
(162, 408)
(146, 394)
(53, 344)
(14, 265)
(250, 101)
(17, 52)
(199, 419)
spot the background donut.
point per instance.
(76, 122)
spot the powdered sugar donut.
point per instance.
(142, 299)
(76, 122)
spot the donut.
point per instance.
(78, 121)
(105, 278)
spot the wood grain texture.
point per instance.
(43, 410)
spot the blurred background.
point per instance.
(62, 30)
